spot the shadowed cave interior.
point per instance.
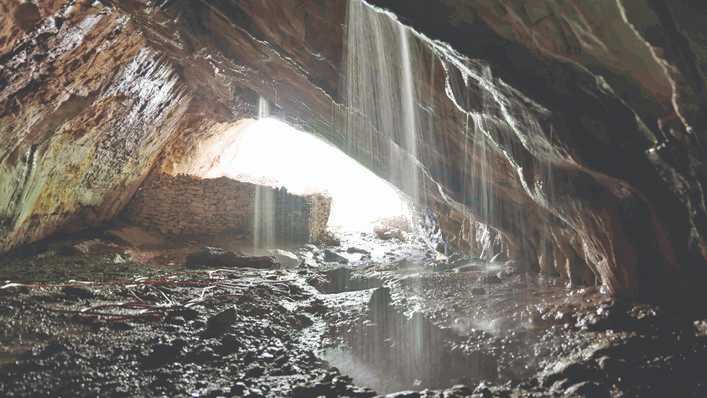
(353, 198)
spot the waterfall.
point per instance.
(388, 87)
(391, 74)
(502, 127)
(409, 102)
(381, 94)
(263, 108)
(264, 204)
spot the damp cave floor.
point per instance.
(119, 315)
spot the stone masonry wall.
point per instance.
(188, 206)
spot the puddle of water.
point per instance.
(394, 351)
(361, 372)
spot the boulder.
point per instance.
(212, 257)
(588, 389)
(333, 257)
(357, 250)
(286, 258)
(219, 323)
(387, 233)
(78, 293)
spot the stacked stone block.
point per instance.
(185, 205)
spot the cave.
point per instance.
(353, 198)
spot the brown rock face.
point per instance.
(85, 109)
(584, 118)
(610, 112)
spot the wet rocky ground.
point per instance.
(122, 314)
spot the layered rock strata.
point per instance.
(588, 119)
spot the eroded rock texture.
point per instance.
(619, 79)
(586, 118)
(85, 109)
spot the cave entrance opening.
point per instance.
(272, 153)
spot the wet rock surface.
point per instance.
(216, 257)
(415, 328)
(164, 332)
(92, 95)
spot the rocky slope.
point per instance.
(587, 118)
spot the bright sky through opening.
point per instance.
(271, 152)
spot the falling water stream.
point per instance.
(390, 72)
(381, 93)
(264, 217)
(389, 69)
(391, 86)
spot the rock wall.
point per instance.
(184, 205)
(612, 161)
(85, 109)
(590, 139)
